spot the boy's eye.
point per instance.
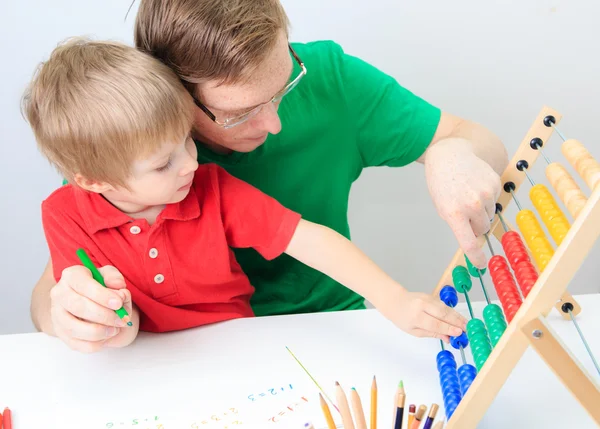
(164, 167)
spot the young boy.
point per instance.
(116, 123)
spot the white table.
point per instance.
(190, 376)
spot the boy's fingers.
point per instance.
(112, 277)
(423, 333)
(79, 279)
(72, 328)
(88, 310)
(437, 326)
(441, 311)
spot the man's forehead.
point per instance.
(263, 83)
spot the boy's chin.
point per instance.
(179, 196)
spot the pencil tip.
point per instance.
(337, 384)
(401, 384)
(129, 324)
(353, 389)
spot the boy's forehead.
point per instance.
(161, 153)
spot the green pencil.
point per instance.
(87, 262)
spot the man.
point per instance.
(300, 122)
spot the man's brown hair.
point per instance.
(97, 106)
(210, 40)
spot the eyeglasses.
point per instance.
(239, 119)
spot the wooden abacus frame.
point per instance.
(528, 327)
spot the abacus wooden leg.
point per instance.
(542, 338)
(549, 287)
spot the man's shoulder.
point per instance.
(319, 51)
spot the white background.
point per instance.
(495, 62)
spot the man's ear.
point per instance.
(92, 185)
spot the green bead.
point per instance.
(461, 279)
(495, 322)
(473, 269)
(479, 341)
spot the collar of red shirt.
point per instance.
(99, 214)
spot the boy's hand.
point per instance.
(422, 315)
(82, 310)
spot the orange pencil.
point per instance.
(411, 414)
(374, 404)
(326, 412)
(0, 420)
(7, 419)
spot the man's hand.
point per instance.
(464, 189)
(82, 310)
(463, 165)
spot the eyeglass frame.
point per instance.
(280, 94)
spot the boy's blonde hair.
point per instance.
(97, 106)
(207, 40)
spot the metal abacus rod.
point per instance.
(493, 317)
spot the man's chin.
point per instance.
(249, 145)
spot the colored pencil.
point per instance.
(359, 415)
(312, 378)
(411, 414)
(374, 404)
(344, 407)
(326, 412)
(0, 420)
(87, 262)
(432, 413)
(308, 426)
(418, 417)
(401, 397)
(7, 419)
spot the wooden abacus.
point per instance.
(498, 344)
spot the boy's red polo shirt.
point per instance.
(181, 270)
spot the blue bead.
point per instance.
(449, 296)
(466, 376)
(461, 340)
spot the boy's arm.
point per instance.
(40, 301)
(416, 313)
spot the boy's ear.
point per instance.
(91, 185)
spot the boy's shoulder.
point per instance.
(61, 198)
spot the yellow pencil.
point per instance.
(327, 413)
(374, 404)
